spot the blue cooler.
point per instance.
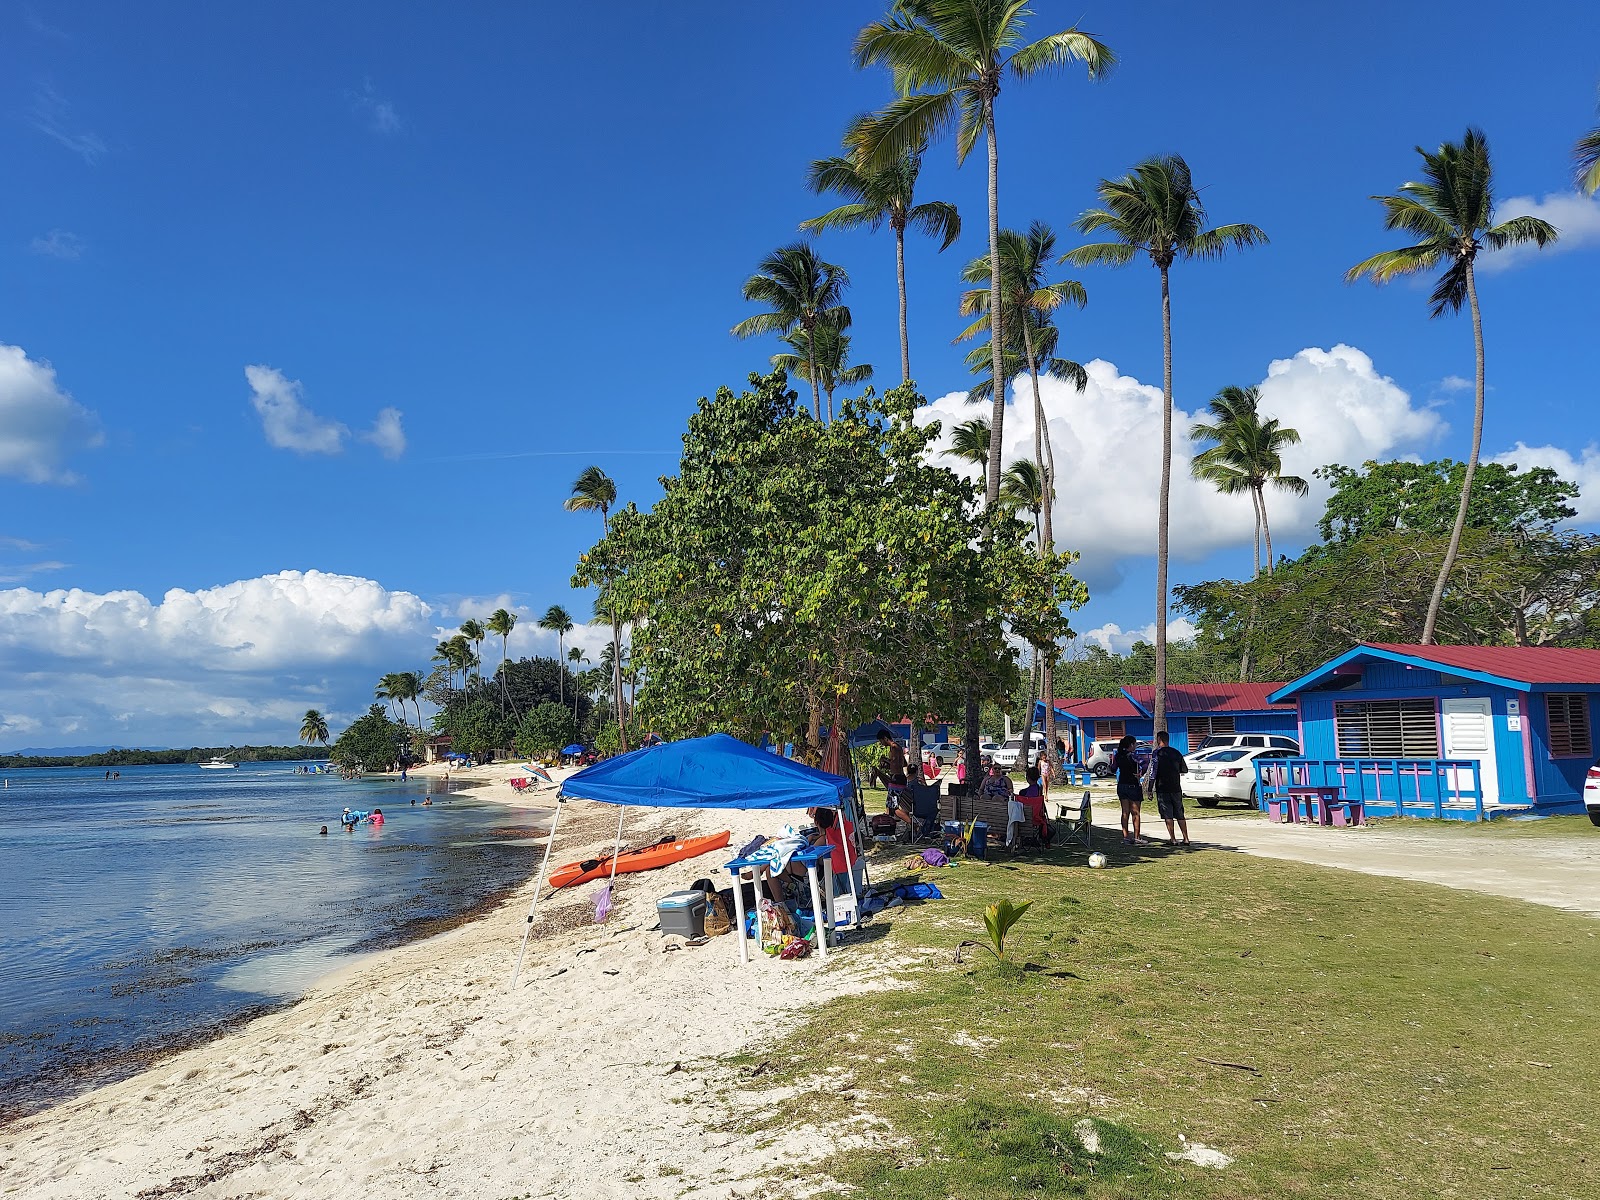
(978, 846)
(683, 914)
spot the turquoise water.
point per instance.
(157, 909)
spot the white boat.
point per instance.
(218, 764)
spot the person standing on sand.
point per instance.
(1167, 770)
(1129, 792)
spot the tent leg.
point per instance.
(738, 908)
(544, 866)
(616, 853)
(817, 912)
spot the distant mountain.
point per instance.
(72, 751)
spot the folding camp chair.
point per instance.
(1074, 820)
(925, 810)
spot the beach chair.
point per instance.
(925, 811)
(1074, 820)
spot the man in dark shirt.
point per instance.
(1168, 768)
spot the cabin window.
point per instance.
(1386, 729)
(1569, 725)
(1200, 728)
(1111, 730)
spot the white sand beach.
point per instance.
(418, 1072)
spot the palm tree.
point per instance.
(472, 629)
(1587, 156)
(1247, 456)
(388, 689)
(577, 658)
(949, 58)
(559, 621)
(1027, 302)
(1022, 486)
(314, 728)
(1157, 209)
(1451, 212)
(408, 686)
(969, 441)
(878, 195)
(825, 350)
(445, 656)
(800, 292)
(595, 491)
(501, 622)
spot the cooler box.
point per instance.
(683, 914)
(978, 844)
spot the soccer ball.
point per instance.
(1097, 859)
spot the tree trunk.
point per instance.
(616, 677)
(1266, 530)
(1047, 540)
(1255, 511)
(971, 737)
(1161, 516)
(996, 334)
(1472, 468)
(561, 668)
(811, 365)
(900, 279)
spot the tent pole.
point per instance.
(544, 865)
(616, 851)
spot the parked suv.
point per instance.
(1591, 793)
(1011, 750)
(1255, 741)
(1100, 761)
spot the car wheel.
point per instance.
(1101, 771)
(1252, 800)
(1208, 801)
(1594, 816)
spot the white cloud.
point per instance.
(380, 114)
(22, 571)
(1107, 452)
(1454, 383)
(387, 434)
(287, 423)
(58, 243)
(1113, 638)
(51, 115)
(1583, 470)
(40, 424)
(1576, 217)
(237, 662)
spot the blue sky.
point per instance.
(523, 229)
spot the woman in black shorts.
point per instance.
(1126, 764)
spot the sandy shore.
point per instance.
(419, 1072)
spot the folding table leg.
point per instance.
(738, 908)
(817, 913)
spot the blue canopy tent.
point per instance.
(714, 772)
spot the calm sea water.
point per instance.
(158, 908)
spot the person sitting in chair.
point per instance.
(891, 773)
(1032, 798)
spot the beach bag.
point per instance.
(719, 913)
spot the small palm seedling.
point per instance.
(998, 920)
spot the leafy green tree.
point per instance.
(1451, 211)
(372, 742)
(876, 195)
(797, 573)
(800, 292)
(314, 728)
(1247, 456)
(559, 622)
(501, 622)
(948, 59)
(546, 729)
(1156, 209)
(825, 350)
(1388, 497)
(595, 491)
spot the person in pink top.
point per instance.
(377, 817)
(832, 832)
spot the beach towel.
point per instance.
(778, 852)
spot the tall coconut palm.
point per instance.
(1025, 260)
(559, 622)
(1157, 209)
(800, 291)
(461, 656)
(1022, 486)
(389, 689)
(445, 656)
(501, 622)
(408, 686)
(878, 195)
(825, 350)
(577, 658)
(969, 441)
(949, 58)
(1247, 456)
(1451, 212)
(472, 629)
(595, 491)
(314, 728)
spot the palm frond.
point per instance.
(1388, 264)
(1415, 214)
(1518, 231)
(1292, 484)
(1450, 293)
(1060, 50)
(939, 219)
(1586, 156)
(904, 126)
(912, 51)
(1213, 243)
(846, 216)
(1069, 372)
(1101, 254)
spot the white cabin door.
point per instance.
(1469, 733)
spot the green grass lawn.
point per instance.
(1544, 827)
(1401, 1040)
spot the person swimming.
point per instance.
(323, 832)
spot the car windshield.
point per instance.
(1227, 755)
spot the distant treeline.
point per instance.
(156, 758)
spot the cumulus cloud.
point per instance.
(1108, 460)
(379, 113)
(1582, 469)
(229, 663)
(58, 243)
(40, 424)
(1576, 217)
(1113, 638)
(51, 115)
(286, 421)
(1454, 383)
(387, 434)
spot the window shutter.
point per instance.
(1569, 725)
(1386, 729)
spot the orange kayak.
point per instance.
(647, 858)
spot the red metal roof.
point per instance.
(1210, 697)
(1115, 706)
(1526, 664)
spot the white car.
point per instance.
(1591, 793)
(1227, 773)
(1008, 754)
(1270, 741)
(949, 753)
(1099, 762)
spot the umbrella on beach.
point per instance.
(572, 749)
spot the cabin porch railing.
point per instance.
(1442, 788)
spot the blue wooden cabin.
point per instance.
(1455, 732)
